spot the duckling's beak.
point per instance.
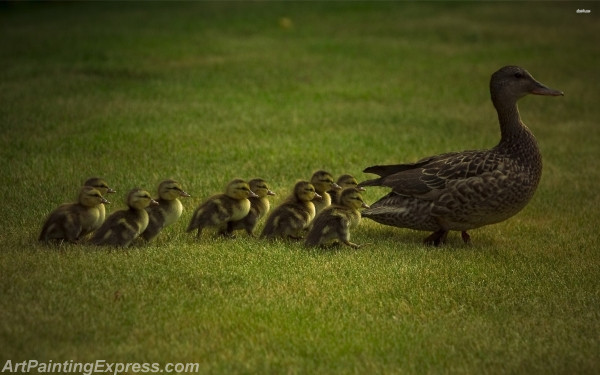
(318, 196)
(336, 186)
(270, 192)
(105, 201)
(111, 191)
(184, 194)
(252, 194)
(541, 89)
(153, 202)
(364, 205)
(360, 188)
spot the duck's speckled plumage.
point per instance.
(294, 215)
(336, 221)
(72, 221)
(122, 227)
(219, 210)
(469, 189)
(167, 211)
(259, 207)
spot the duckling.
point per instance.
(220, 209)
(167, 212)
(293, 215)
(323, 182)
(259, 207)
(335, 222)
(344, 181)
(72, 221)
(124, 226)
(100, 185)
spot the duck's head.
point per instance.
(139, 199)
(239, 189)
(352, 198)
(347, 181)
(170, 190)
(323, 181)
(512, 82)
(305, 191)
(90, 197)
(100, 185)
(259, 187)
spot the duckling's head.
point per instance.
(139, 199)
(323, 181)
(170, 190)
(347, 181)
(239, 189)
(259, 187)
(352, 198)
(99, 184)
(90, 197)
(305, 191)
(510, 83)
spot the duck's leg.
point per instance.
(436, 238)
(465, 236)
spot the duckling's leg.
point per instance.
(436, 238)
(351, 244)
(465, 236)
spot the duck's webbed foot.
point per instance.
(436, 238)
(465, 236)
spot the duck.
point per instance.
(323, 182)
(73, 221)
(167, 211)
(336, 221)
(122, 227)
(100, 185)
(219, 210)
(344, 181)
(259, 207)
(460, 191)
(294, 215)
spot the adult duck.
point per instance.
(466, 190)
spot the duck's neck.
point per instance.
(512, 129)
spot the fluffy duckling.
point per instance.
(259, 206)
(100, 185)
(124, 226)
(323, 182)
(335, 222)
(167, 212)
(220, 209)
(293, 215)
(345, 181)
(72, 221)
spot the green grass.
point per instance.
(205, 92)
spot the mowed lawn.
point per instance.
(205, 92)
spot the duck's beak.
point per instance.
(184, 194)
(541, 89)
(269, 192)
(252, 194)
(153, 202)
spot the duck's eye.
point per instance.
(518, 75)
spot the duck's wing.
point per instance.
(432, 174)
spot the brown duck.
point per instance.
(466, 190)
